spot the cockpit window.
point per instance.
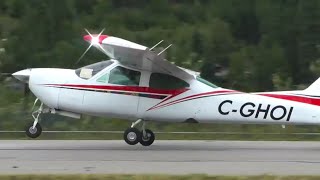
(206, 82)
(89, 71)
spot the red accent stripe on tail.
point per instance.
(301, 99)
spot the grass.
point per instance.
(152, 177)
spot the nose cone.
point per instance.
(22, 75)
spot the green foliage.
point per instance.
(280, 83)
(264, 36)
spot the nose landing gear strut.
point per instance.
(34, 129)
(132, 135)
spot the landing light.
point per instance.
(95, 40)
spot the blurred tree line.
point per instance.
(251, 45)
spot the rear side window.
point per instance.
(206, 82)
(166, 82)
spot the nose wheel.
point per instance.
(33, 132)
(133, 136)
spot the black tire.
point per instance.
(147, 141)
(33, 133)
(132, 136)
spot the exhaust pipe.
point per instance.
(65, 113)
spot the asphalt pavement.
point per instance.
(163, 157)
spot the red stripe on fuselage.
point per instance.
(123, 88)
(137, 89)
(166, 99)
(301, 99)
(192, 97)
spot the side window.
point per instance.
(166, 82)
(123, 76)
(104, 78)
(89, 71)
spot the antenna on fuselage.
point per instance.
(156, 45)
(164, 49)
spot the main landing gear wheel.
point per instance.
(147, 138)
(132, 136)
(33, 132)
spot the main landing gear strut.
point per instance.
(132, 135)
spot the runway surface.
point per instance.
(172, 157)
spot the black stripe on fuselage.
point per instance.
(314, 96)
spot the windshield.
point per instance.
(206, 82)
(89, 71)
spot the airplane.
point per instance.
(138, 84)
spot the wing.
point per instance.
(137, 56)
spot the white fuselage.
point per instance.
(63, 89)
